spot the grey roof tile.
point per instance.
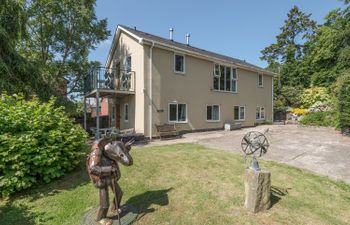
(186, 47)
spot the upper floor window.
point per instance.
(239, 113)
(177, 112)
(225, 78)
(216, 77)
(234, 80)
(179, 63)
(261, 80)
(128, 63)
(260, 113)
(213, 113)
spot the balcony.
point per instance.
(109, 82)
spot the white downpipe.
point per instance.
(150, 90)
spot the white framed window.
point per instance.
(213, 113)
(179, 63)
(222, 83)
(234, 80)
(260, 80)
(224, 78)
(128, 63)
(216, 77)
(177, 113)
(260, 113)
(126, 112)
(238, 112)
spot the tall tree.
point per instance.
(329, 51)
(17, 74)
(61, 35)
(290, 47)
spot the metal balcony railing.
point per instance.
(113, 79)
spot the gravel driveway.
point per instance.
(321, 150)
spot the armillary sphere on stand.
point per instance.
(256, 144)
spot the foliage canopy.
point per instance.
(44, 43)
(17, 74)
(290, 46)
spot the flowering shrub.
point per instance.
(320, 107)
(313, 95)
(299, 111)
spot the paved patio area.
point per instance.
(321, 150)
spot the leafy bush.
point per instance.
(299, 111)
(313, 95)
(290, 96)
(326, 119)
(268, 122)
(72, 109)
(38, 142)
(344, 101)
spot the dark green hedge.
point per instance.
(344, 101)
(326, 119)
(38, 142)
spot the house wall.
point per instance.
(130, 123)
(195, 89)
(129, 46)
(147, 95)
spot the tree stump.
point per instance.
(257, 190)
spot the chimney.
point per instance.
(188, 39)
(171, 32)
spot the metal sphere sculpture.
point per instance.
(256, 144)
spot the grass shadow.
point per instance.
(144, 201)
(277, 194)
(12, 211)
(18, 214)
(71, 180)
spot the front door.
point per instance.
(117, 116)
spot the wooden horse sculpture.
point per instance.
(104, 172)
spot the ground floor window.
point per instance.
(239, 113)
(177, 112)
(213, 112)
(126, 112)
(260, 113)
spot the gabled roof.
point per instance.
(146, 38)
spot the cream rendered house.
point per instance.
(157, 80)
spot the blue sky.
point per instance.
(236, 28)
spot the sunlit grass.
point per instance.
(187, 184)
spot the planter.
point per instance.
(232, 126)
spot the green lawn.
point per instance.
(187, 184)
